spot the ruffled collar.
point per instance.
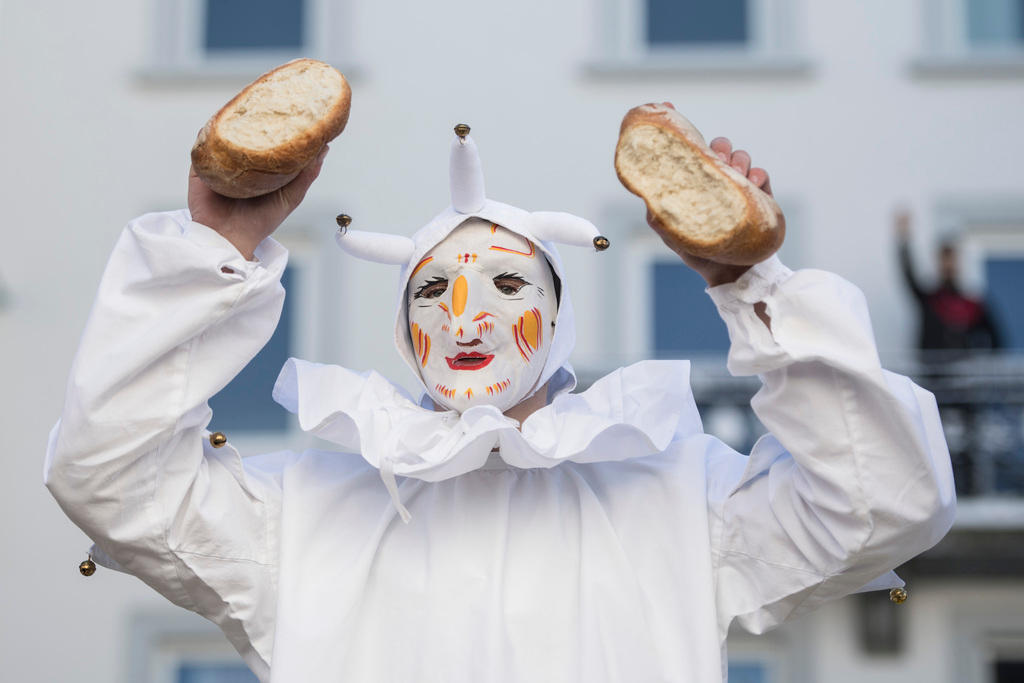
(633, 412)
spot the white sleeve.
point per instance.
(854, 477)
(178, 314)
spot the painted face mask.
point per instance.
(481, 307)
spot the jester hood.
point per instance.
(633, 412)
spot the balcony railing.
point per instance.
(980, 398)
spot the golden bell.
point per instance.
(601, 243)
(217, 439)
(462, 130)
(898, 595)
(87, 567)
(343, 220)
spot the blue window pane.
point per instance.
(684, 318)
(245, 404)
(1005, 281)
(747, 672)
(995, 22)
(215, 673)
(696, 22)
(253, 24)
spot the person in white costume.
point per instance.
(550, 535)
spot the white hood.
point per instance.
(543, 228)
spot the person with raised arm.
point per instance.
(499, 527)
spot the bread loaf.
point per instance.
(261, 139)
(705, 207)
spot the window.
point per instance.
(690, 22)
(972, 37)
(748, 672)
(245, 410)
(241, 25)
(775, 657)
(683, 320)
(1004, 277)
(691, 35)
(988, 644)
(989, 234)
(995, 23)
(203, 38)
(245, 403)
(663, 310)
(979, 397)
(182, 647)
(200, 672)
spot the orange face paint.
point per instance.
(421, 342)
(528, 333)
(529, 254)
(530, 325)
(420, 265)
(488, 319)
(460, 292)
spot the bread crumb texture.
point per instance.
(282, 107)
(680, 185)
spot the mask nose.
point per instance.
(466, 292)
(460, 293)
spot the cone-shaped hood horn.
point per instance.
(466, 175)
(565, 228)
(380, 247)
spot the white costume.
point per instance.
(608, 539)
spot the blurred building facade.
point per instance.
(854, 108)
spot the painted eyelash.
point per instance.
(515, 276)
(432, 281)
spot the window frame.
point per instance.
(177, 47)
(946, 49)
(774, 651)
(312, 260)
(981, 226)
(773, 45)
(160, 642)
(643, 248)
(981, 636)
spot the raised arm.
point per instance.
(902, 229)
(854, 477)
(181, 309)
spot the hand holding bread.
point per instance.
(706, 202)
(271, 130)
(254, 160)
(247, 222)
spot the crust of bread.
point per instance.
(241, 171)
(750, 230)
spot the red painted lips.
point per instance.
(469, 361)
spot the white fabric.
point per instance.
(608, 550)
(465, 176)
(564, 228)
(375, 246)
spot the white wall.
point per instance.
(91, 142)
